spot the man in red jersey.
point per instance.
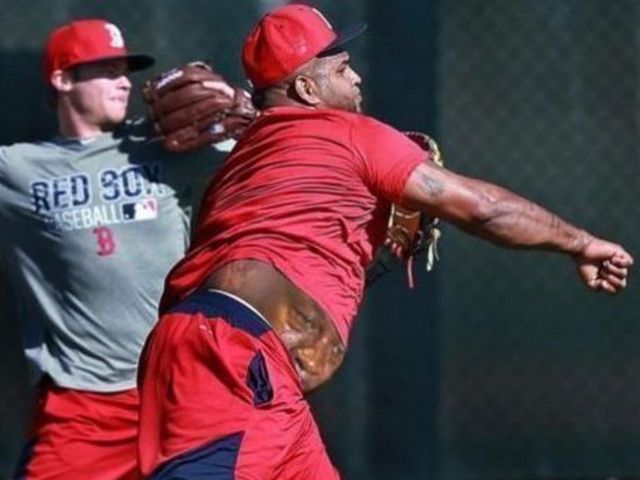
(259, 311)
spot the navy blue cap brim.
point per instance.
(344, 36)
(135, 62)
(140, 62)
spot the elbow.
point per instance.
(486, 208)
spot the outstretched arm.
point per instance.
(498, 215)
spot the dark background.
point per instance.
(500, 365)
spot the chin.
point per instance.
(356, 107)
(117, 113)
(112, 123)
(117, 118)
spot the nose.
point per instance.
(124, 82)
(356, 78)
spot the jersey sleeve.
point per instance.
(386, 157)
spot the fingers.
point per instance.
(614, 272)
(600, 284)
(611, 268)
(621, 259)
(396, 248)
(221, 86)
(605, 266)
(612, 287)
(611, 277)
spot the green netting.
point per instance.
(539, 377)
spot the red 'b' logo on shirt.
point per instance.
(106, 242)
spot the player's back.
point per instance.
(296, 193)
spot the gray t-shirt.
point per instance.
(90, 230)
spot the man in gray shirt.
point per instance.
(93, 220)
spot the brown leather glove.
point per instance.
(193, 106)
(409, 232)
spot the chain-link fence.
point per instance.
(539, 377)
(500, 365)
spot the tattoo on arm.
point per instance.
(517, 222)
(430, 185)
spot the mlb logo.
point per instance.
(145, 209)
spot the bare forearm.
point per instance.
(510, 220)
(491, 212)
(501, 216)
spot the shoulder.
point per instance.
(342, 118)
(362, 126)
(365, 123)
(370, 134)
(304, 118)
(133, 133)
(21, 154)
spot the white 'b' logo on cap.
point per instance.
(116, 36)
(324, 19)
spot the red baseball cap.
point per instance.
(287, 38)
(88, 41)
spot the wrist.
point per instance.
(580, 243)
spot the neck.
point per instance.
(71, 124)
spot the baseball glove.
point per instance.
(193, 106)
(409, 232)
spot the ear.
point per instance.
(61, 81)
(307, 90)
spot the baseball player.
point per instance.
(92, 221)
(260, 309)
